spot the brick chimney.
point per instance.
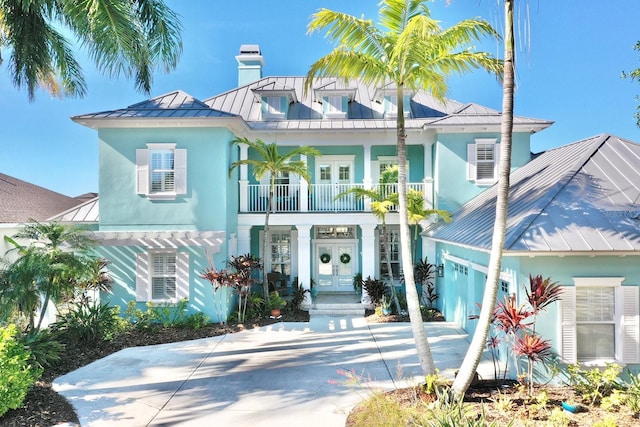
(250, 62)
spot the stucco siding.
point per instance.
(205, 205)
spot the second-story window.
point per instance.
(161, 171)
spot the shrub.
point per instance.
(594, 384)
(298, 296)
(376, 289)
(89, 323)
(44, 347)
(196, 321)
(18, 373)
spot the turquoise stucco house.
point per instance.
(168, 207)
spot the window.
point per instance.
(281, 252)
(391, 106)
(335, 232)
(162, 276)
(273, 108)
(600, 321)
(333, 107)
(161, 171)
(483, 161)
(393, 236)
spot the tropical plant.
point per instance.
(18, 373)
(408, 49)
(376, 289)
(299, 293)
(49, 265)
(272, 163)
(474, 352)
(44, 346)
(535, 349)
(276, 302)
(424, 273)
(244, 265)
(222, 283)
(594, 384)
(89, 323)
(123, 37)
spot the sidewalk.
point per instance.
(263, 377)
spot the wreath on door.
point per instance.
(325, 258)
(345, 258)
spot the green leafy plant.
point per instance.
(594, 384)
(89, 323)
(18, 371)
(196, 321)
(276, 302)
(424, 273)
(375, 288)
(44, 346)
(298, 296)
(170, 314)
(357, 282)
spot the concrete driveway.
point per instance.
(268, 376)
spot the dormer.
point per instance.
(275, 99)
(335, 99)
(387, 97)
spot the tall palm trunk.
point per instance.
(413, 301)
(267, 239)
(479, 341)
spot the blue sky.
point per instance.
(569, 71)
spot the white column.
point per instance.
(244, 179)
(244, 239)
(427, 182)
(304, 260)
(368, 255)
(303, 203)
(367, 176)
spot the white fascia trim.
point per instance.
(234, 123)
(598, 281)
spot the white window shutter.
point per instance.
(471, 162)
(142, 171)
(182, 275)
(630, 324)
(496, 161)
(180, 170)
(568, 347)
(142, 277)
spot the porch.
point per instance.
(318, 197)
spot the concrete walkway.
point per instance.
(263, 377)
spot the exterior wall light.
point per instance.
(440, 270)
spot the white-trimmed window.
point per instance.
(482, 161)
(393, 235)
(600, 321)
(161, 171)
(391, 106)
(162, 276)
(333, 107)
(281, 251)
(274, 108)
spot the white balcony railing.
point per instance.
(314, 198)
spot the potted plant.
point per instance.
(276, 302)
(357, 283)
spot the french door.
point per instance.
(336, 264)
(334, 175)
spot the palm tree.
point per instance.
(272, 163)
(123, 37)
(474, 353)
(50, 265)
(412, 52)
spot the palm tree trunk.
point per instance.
(413, 301)
(472, 358)
(267, 240)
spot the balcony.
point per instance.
(313, 198)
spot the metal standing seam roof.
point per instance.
(582, 197)
(87, 212)
(365, 111)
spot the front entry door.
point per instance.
(336, 264)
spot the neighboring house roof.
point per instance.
(21, 201)
(87, 212)
(304, 113)
(582, 197)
